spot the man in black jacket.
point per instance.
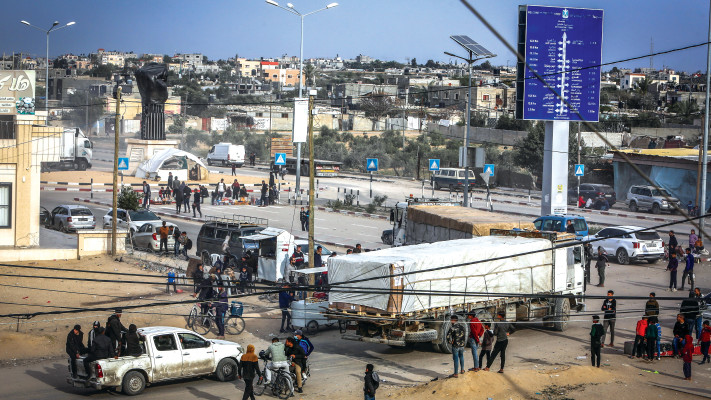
(186, 198)
(502, 330)
(609, 306)
(370, 385)
(75, 347)
(101, 348)
(298, 360)
(178, 192)
(596, 334)
(681, 329)
(114, 329)
(304, 218)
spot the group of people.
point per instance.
(481, 335)
(598, 203)
(181, 242)
(111, 341)
(234, 191)
(676, 254)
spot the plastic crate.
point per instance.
(236, 309)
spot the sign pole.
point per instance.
(117, 125)
(371, 184)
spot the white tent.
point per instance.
(182, 164)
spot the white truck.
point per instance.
(75, 151)
(418, 221)
(169, 353)
(474, 275)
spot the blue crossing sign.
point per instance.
(123, 163)
(434, 164)
(489, 169)
(280, 159)
(371, 164)
(579, 169)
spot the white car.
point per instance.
(325, 253)
(131, 220)
(168, 354)
(623, 243)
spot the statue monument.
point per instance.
(152, 80)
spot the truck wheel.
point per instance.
(562, 314)
(421, 336)
(75, 165)
(82, 165)
(133, 383)
(226, 370)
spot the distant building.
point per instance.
(350, 94)
(364, 59)
(248, 68)
(629, 81)
(484, 98)
(190, 59)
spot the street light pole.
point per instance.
(46, 75)
(704, 163)
(292, 10)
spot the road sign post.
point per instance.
(579, 171)
(489, 169)
(371, 165)
(433, 166)
(123, 163)
(280, 159)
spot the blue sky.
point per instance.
(385, 29)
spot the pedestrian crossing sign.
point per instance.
(280, 159)
(434, 164)
(123, 163)
(489, 169)
(579, 169)
(371, 164)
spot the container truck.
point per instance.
(418, 221)
(75, 151)
(415, 289)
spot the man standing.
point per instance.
(596, 333)
(691, 310)
(371, 383)
(502, 329)
(609, 306)
(114, 328)
(476, 329)
(650, 335)
(601, 264)
(456, 338)
(588, 259)
(101, 349)
(176, 241)
(234, 169)
(318, 263)
(681, 329)
(651, 308)
(186, 198)
(178, 198)
(304, 218)
(75, 347)
(164, 231)
(146, 195)
(672, 242)
(285, 299)
(696, 294)
(170, 181)
(264, 199)
(640, 331)
(688, 269)
(196, 203)
(672, 267)
(235, 190)
(198, 279)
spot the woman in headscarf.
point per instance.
(248, 368)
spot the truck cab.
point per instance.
(559, 223)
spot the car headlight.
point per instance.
(664, 203)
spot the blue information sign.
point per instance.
(434, 164)
(279, 158)
(123, 163)
(489, 169)
(579, 170)
(564, 46)
(371, 164)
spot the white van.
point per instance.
(226, 154)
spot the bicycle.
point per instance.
(202, 323)
(282, 382)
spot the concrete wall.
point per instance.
(478, 135)
(98, 242)
(693, 132)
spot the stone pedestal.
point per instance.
(139, 150)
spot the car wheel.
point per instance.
(622, 257)
(633, 206)
(226, 370)
(655, 208)
(61, 228)
(133, 383)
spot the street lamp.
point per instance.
(290, 8)
(46, 76)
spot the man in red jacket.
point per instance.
(476, 330)
(638, 347)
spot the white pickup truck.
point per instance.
(169, 353)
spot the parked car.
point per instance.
(325, 252)
(593, 191)
(71, 217)
(627, 245)
(226, 154)
(168, 354)
(131, 220)
(650, 198)
(148, 236)
(452, 179)
(213, 234)
(559, 223)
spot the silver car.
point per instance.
(67, 218)
(651, 198)
(148, 236)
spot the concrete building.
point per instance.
(629, 81)
(248, 68)
(350, 94)
(285, 77)
(194, 59)
(484, 98)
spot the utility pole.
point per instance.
(705, 161)
(312, 250)
(578, 196)
(116, 154)
(86, 114)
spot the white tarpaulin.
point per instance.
(274, 245)
(179, 162)
(522, 274)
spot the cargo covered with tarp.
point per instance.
(475, 274)
(427, 223)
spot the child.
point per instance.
(638, 348)
(705, 342)
(659, 338)
(596, 334)
(243, 278)
(686, 353)
(650, 335)
(487, 343)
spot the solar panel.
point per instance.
(469, 44)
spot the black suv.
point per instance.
(593, 191)
(213, 234)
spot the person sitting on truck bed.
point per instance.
(101, 348)
(75, 347)
(133, 342)
(502, 330)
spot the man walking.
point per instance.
(672, 267)
(285, 299)
(601, 264)
(264, 199)
(456, 338)
(75, 347)
(651, 308)
(146, 195)
(476, 329)
(186, 198)
(609, 306)
(163, 231)
(371, 383)
(596, 333)
(196, 203)
(688, 269)
(304, 218)
(502, 330)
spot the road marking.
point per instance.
(365, 226)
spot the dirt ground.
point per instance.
(107, 177)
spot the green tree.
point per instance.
(529, 152)
(128, 199)
(167, 59)
(310, 74)
(512, 124)
(430, 64)
(413, 63)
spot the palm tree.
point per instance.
(310, 74)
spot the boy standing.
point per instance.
(487, 342)
(650, 335)
(637, 348)
(672, 267)
(609, 306)
(705, 342)
(596, 334)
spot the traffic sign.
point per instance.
(434, 164)
(489, 168)
(579, 169)
(280, 159)
(371, 164)
(123, 163)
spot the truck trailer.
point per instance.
(412, 291)
(75, 151)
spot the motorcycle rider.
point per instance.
(304, 342)
(298, 361)
(277, 358)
